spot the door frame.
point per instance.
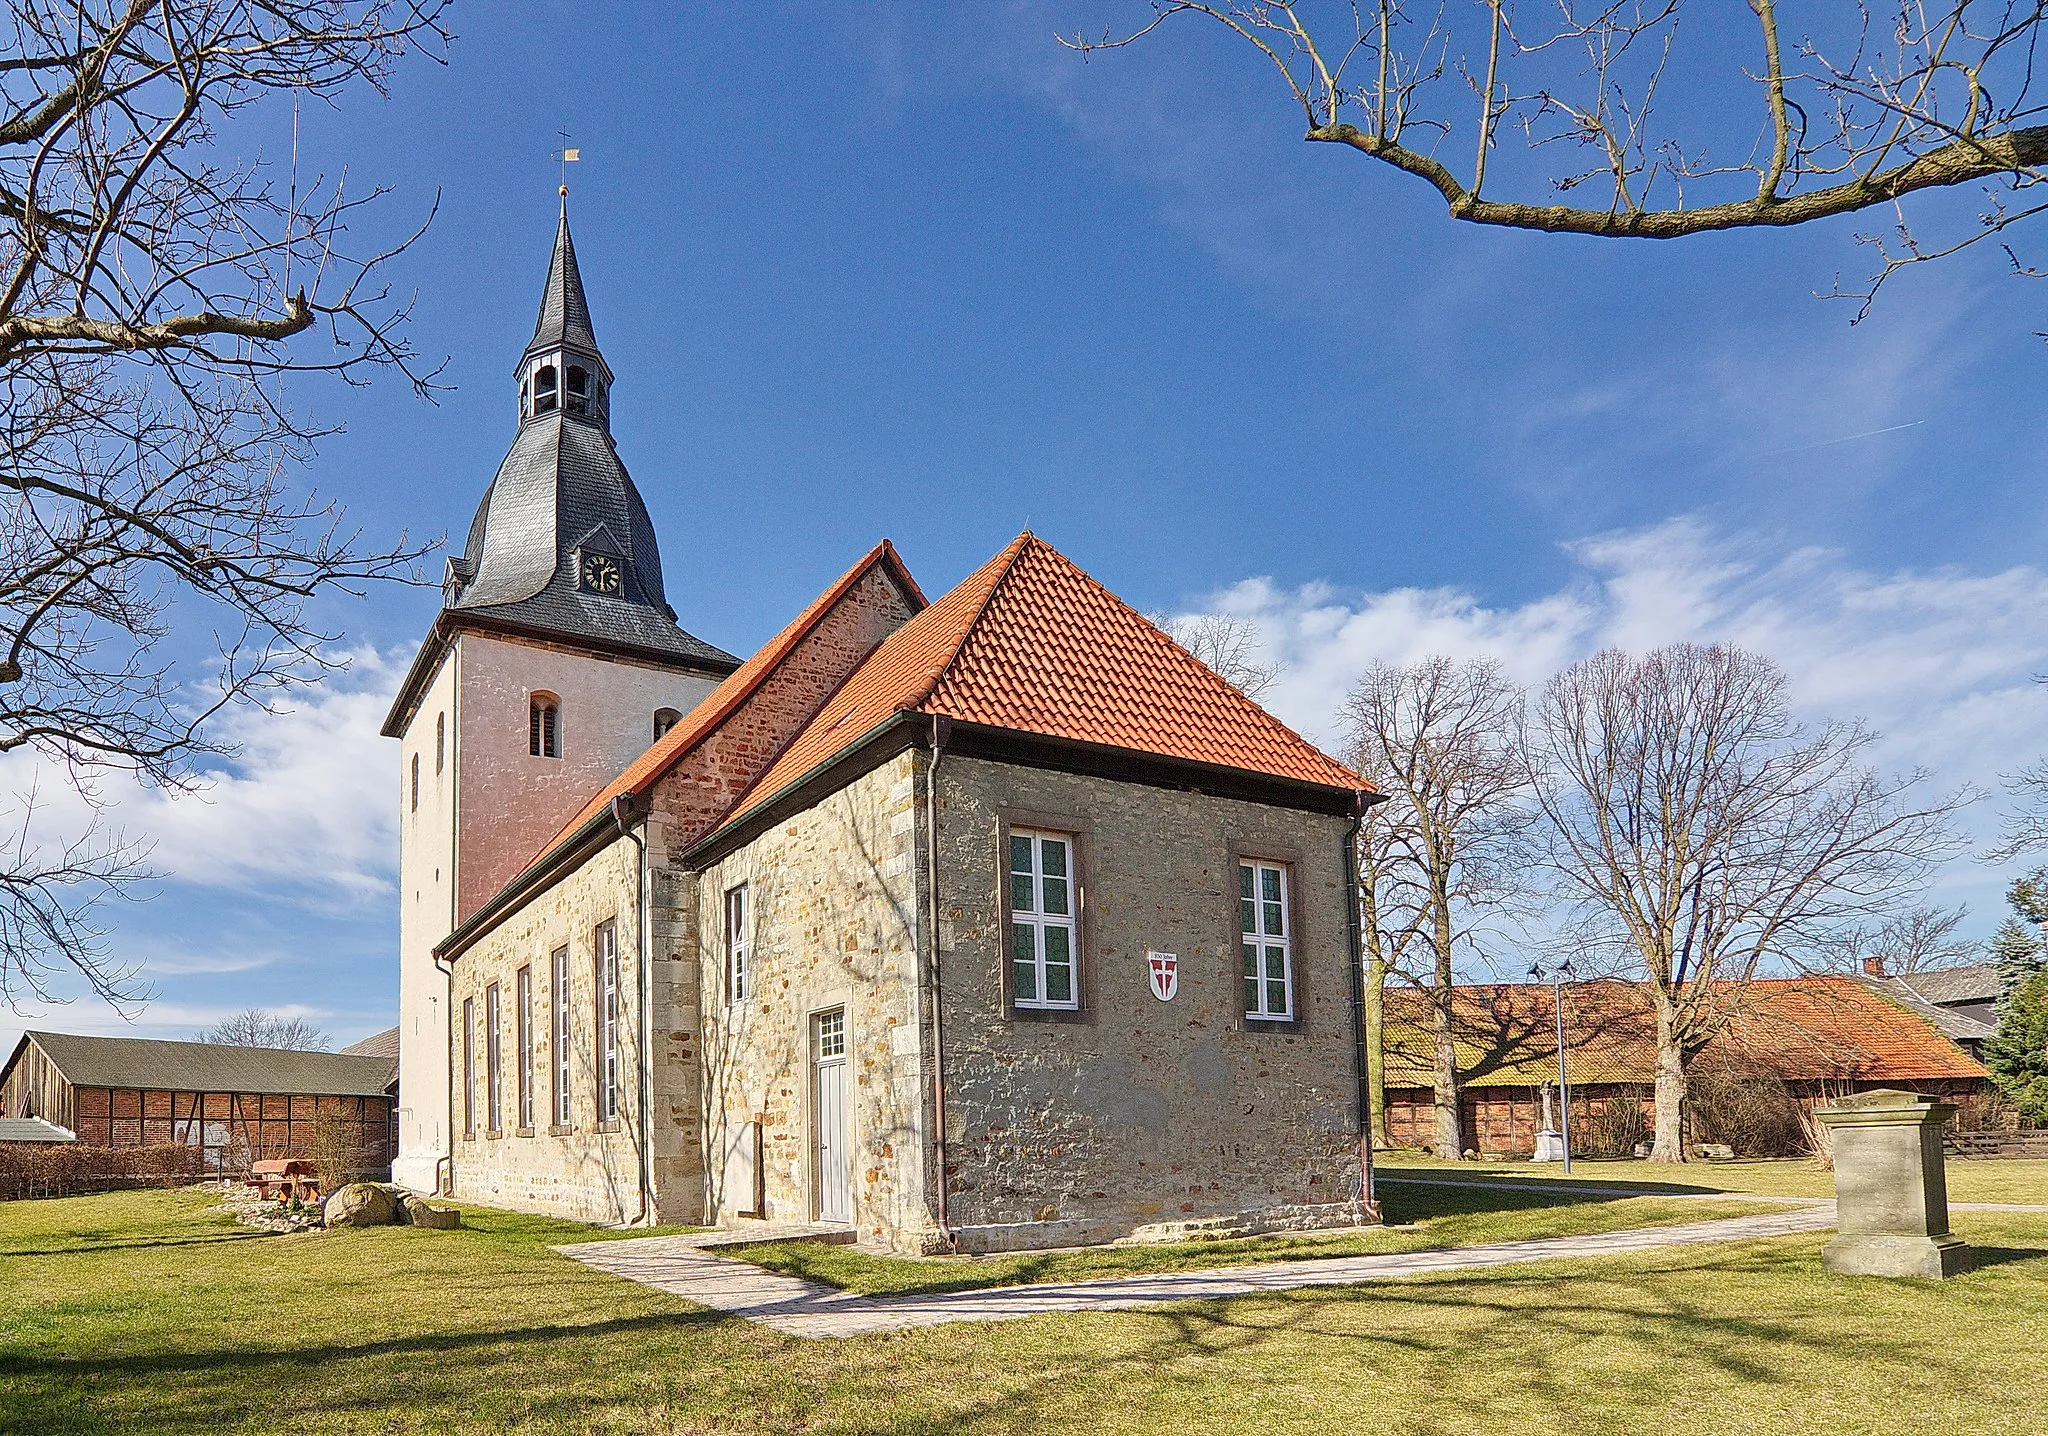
(815, 1064)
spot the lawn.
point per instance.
(1968, 1181)
(142, 1312)
(1418, 1217)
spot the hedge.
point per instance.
(66, 1169)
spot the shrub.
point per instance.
(1756, 1114)
(1610, 1128)
(69, 1169)
(336, 1151)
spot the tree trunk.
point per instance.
(1669, 1145)
(1375, 1048)
(1449, 1139)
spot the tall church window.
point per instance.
(608, 1022)
(544, 390)
(523, 1016)
(579, 391)
(558, 974)
(1267, 942)
(494, 1063)
(415, 782)
(440, 742)
(468, 1067)
(665, 720)
(739, 951)
(544, 726)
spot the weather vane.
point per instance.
(568, 157)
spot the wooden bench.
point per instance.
(285, 1179)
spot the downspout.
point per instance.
(942, 728)
(623, 814)
(445, 1186)
(1357, 945)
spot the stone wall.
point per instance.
(585, 1170)
(1140, 1113)
(834, 894)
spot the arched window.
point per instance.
(579, 391)
(524, 411)
(440, 742)
(544, 726)
(544, 389)
(664, 720)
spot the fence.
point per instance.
(1992, 1143)
(69, 1169)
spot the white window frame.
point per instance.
(494, 1060)
(1258, 942)
(739, 946)
(1038, 923)
(564, 1030)
(469, 1069)
(607, 954)
(523, 1015)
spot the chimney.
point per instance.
(1873, 967)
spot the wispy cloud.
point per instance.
(1940, 661)
(306, 810)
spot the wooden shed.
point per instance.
(235, 1102)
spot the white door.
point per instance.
(828, 1117)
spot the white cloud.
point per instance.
(306, 809)
(1940, 661)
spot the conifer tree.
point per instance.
(2016, 952)
(2018, 1054)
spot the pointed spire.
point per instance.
(564, 321)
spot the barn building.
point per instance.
(235, 1102)
(1822, 1037)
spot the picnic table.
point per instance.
(286, 1178)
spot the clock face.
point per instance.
(598, 573)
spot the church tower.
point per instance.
(554, 662)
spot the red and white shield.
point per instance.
(1164, 969)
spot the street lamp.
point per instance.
(1557, 977)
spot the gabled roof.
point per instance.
(724, 700)
(1973, 982)
(1801, 1029)
(1029, 643)
(1952, 1022)
(378, 1044)
(33, 1129)
(142, 1062)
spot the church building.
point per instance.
(988, 922)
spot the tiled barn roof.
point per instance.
(1798, 1029)
(1031, 644)
(152, 1065)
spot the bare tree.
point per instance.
(155, 295)
(1662, 112)
(1442, 741)
(1229, 646)
(1915, 939)
(260, 1027)
(1706, 834)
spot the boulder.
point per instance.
(416, 1211)
(361, 1204)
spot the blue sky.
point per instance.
(913, 270)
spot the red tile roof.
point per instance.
(724, 700)
(1802, 1029)
(1030, 643)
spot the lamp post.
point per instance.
(1558, 977)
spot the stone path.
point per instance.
(679, 1266)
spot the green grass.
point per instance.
(1418, 1218)
(140, 1313)
(1968, 1181)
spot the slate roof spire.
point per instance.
(564, 319)
(562, 494)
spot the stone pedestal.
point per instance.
(1891, 1189)
(1549, 1146)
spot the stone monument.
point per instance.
(1891, 1188)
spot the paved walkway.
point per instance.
(681, 1267)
